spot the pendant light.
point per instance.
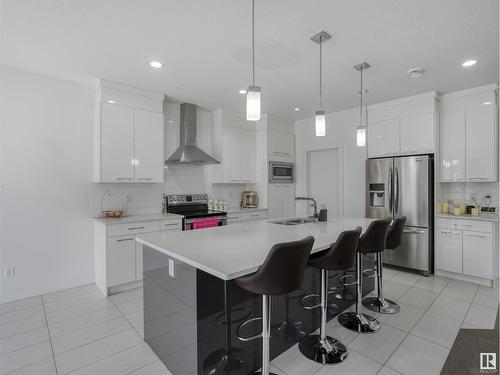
(320, 120)
(253, 92)
(361, 127)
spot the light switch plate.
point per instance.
(171, 268)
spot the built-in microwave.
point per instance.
(280, 172)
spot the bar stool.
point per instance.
(372, 241)
(282, 272)
(341, 256)
(380, 304)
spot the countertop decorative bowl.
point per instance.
(113, 213)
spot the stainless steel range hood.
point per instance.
(188, 152)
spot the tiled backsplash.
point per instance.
(146, 198)
(461, 192)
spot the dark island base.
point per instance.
(185, 319)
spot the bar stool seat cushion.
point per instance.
(283, 270)
(338, 257)
(374, 238)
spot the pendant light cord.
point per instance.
(320, 75)
(361, 99)
(253, 42)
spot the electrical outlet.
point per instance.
(129, 198)
(9, 272)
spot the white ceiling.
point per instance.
(205, 47)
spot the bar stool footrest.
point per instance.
(251, 338)
(304, 299)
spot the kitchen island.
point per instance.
(188, 288)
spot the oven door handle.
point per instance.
(220, 218)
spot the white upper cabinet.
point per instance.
(417, 134)
(280, 144)
(402, 127)
(116, 143)
(452, 147)
(129, 135)
(468, 136)
(383, 138)
(149, 154)
(234, 144)
(480, 136)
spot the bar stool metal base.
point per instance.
(327, 352)
(360, 323)
(220, 362)
(381, 305)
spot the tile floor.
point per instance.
(78, 331)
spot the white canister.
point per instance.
(210, 204)
(225, 206)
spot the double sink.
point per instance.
(295, 221)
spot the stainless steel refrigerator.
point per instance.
(403, 186)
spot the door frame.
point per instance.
(340, 174)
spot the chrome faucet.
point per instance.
(315, 213)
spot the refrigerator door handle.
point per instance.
(389, 189)
(396, 193)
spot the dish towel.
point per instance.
(205, 223)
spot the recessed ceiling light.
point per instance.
(155, 64)
(469, 63)
(296, 109)
(111, 101)
(170, 121)
(415, 72)
(242, 92)
(487, 103)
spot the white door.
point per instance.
(117, 143)
(383, 138)
(248, 157)
(324, 179)
(231, 155)
(452, 139)
(449, 250)
(417, 134)
(478, 254)
(287, 200)
(121, 260)
(480, 144)
(274, 201)
(149, 154)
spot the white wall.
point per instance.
(340, 132)
(47, 233)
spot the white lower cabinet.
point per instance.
(281, 201)
(118, 256)
(465, 247)
(121, 260)
(236, 217)
(478, 254)
(449, 254)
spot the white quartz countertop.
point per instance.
(482, 217)
(138, 218)
(236, 250)
(235, 210)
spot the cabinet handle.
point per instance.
(123, 178)
(144, 179)
(475, 236)
(453, 233)
(170, 224)
(256, 215)
(134, 228)
(466, 225)
(125, 239)
(478, 178)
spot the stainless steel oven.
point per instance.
(193, 207)
(188, 223)
(281, 172)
